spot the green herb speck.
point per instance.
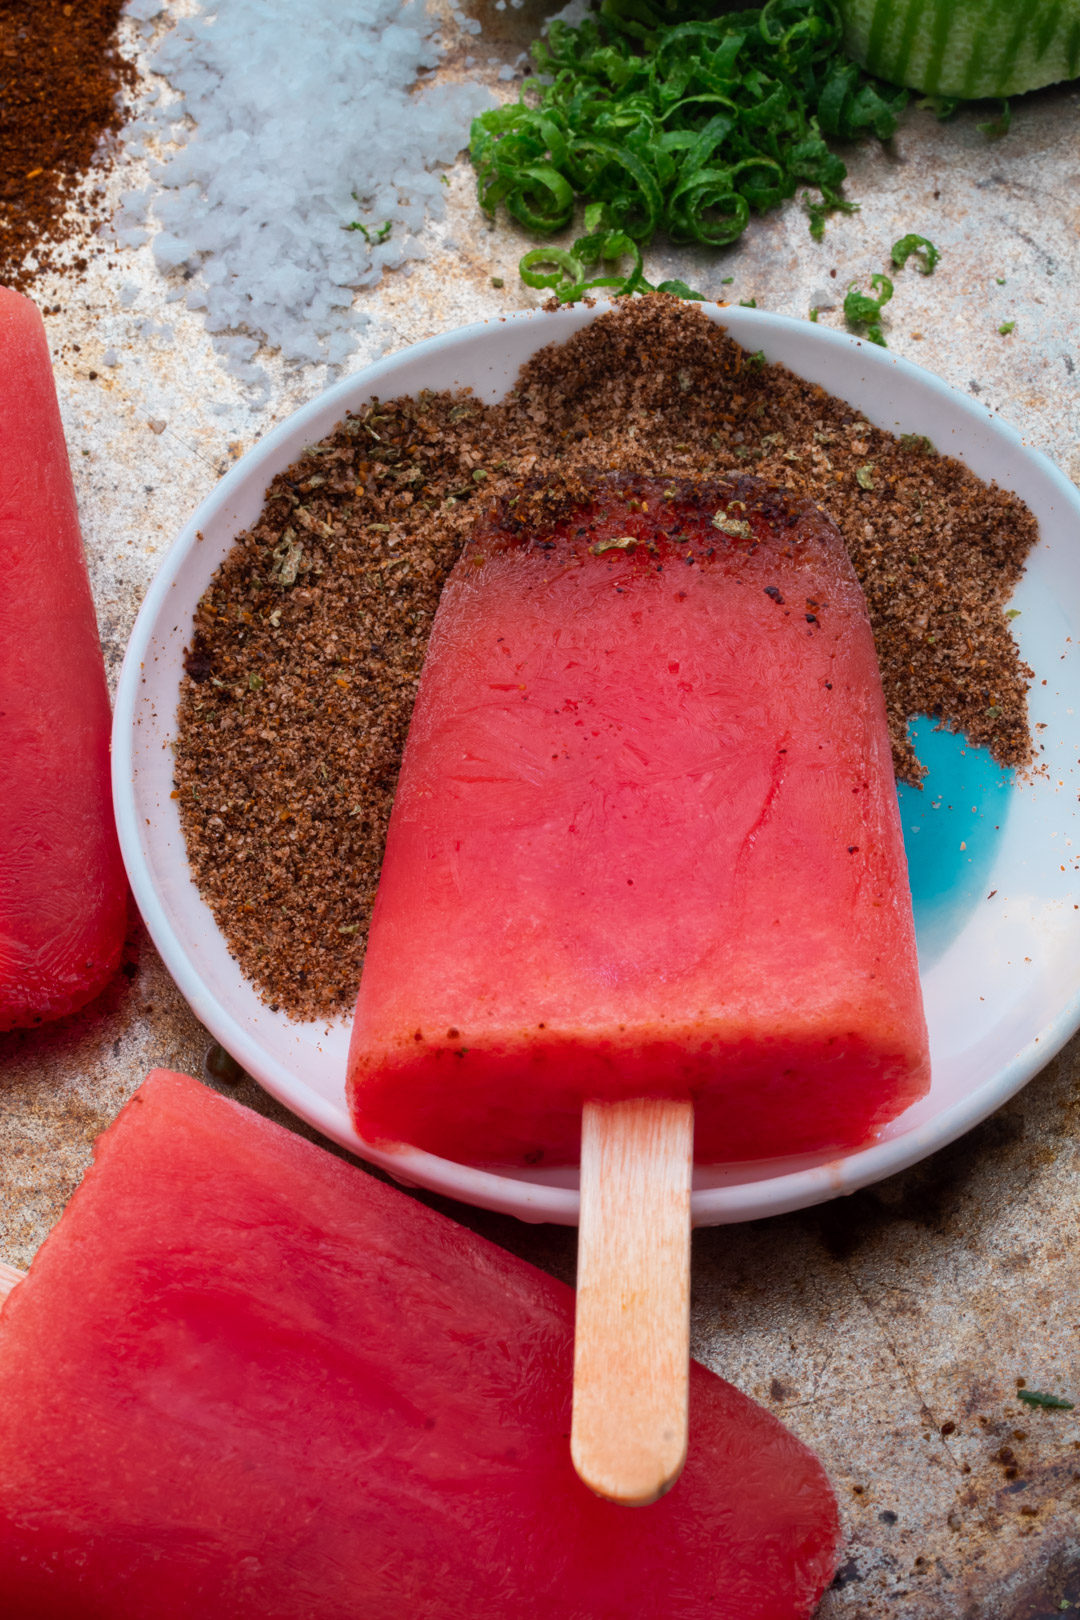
(738, 528)
(372, 237)
(623, 543)
(1036, 1397)
(995, 128)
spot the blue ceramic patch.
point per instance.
(952, 828)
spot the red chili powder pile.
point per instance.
(62, 80)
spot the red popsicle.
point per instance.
(244, 1379)
(645, 842)
(62, 888)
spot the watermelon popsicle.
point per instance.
(645, 841)
(63, 898)
(645, 845)
(244, 1378)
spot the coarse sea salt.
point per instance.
(297, 122)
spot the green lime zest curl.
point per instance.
(926, 254)
(861, 311)
(565, 270)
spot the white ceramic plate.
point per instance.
(1001, 975)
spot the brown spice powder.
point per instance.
(309, 643)
(61, 77)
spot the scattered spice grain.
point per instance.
(62, 78)
(308, 644)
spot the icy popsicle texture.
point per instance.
(645, 840)
(244, 1379)
(62, 891)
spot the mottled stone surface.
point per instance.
(888, 1329)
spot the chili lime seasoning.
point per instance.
(308, 644)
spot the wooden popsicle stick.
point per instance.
(632, 1322)
(8, 1278)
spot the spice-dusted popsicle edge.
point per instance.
(62, 887)
(645, 841)
(244, 1378)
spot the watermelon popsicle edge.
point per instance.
(63, 895)
(645, 845)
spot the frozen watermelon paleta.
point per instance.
(245, 1379)
(645, 841)
(63, 897)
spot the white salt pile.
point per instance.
(308, 161)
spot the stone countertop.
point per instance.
(888, 1329)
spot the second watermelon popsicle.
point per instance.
(645, 841)
(63, 898)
